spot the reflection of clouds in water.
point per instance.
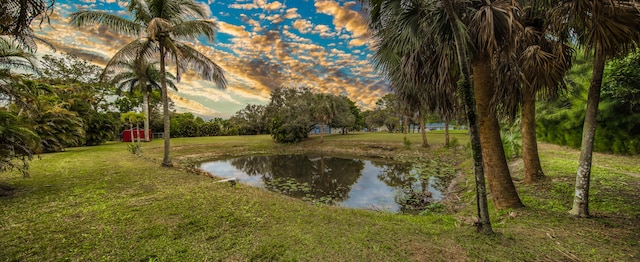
(369, 191)
(224, 169)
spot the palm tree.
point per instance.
(16, 17)
(609, 28)
(141, 76)
(162, 22)
(543, 62)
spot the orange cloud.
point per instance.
(233, 30)
(343, 17)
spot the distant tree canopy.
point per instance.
(293, 112)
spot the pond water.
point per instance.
(355, 183)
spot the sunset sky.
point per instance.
(261, 44)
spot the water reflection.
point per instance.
(347, 182)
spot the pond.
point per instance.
(354, 183)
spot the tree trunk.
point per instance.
(423, 131)
(484, 223)
(446, 132)
(532, 168)
(583, 176)
(139, 138)
(145, 108)
(321, 132)
(166, 161)
(133, 138)
(405, 124)
(503, 191)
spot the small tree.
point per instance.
(131, 118)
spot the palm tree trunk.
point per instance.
(145, 108)
(583, 176)
(532, 168)
(484, 223)
(423, 131)
(166, 161)
(503, 191)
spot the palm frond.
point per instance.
(205, 67)
(189, 29)
(142, 48)
(113, 22)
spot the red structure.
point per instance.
(129, 136)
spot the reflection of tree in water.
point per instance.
(325, 179)
(412, 182)
(396, 175)
(252, 165)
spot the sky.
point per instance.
(261, 44)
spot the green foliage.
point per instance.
(58, 128)
(18, 143)
(561, 121)
(250, 121)
(387, 113)
(69, 69)
(512, 144)
(406, 142)
(453, 143)
(290, 114)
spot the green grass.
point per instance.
(103, 204)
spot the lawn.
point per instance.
(103, 203)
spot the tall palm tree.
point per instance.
(543, 61)
(162, 23)
(492, 28)
(143, 77)
(608, 28)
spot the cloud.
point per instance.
(303, 25)
(291, 13)
(192, 106)
(343, 17)
(357, 42)
(274, 6)
(233, 30)
(255, 24)
(243, 6)
(324, 31)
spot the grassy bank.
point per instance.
(103, 203)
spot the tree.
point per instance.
(77, 88)
(608, 28)
(535, 69)
(250, 120)
(16, 17)
(162, 23)
(345, 113)
(144, 77)
(17, 142)
(290, 114)
(323, 111)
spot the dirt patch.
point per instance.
(7, 190)
(423, 251)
